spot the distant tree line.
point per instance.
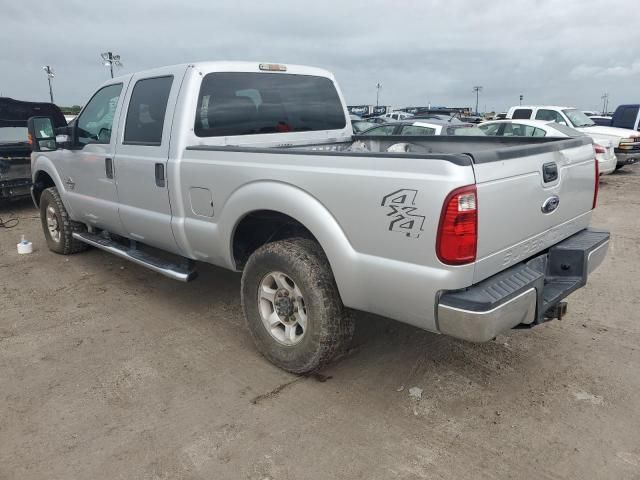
(72, 110)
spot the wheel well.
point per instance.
(261, 227)
(41, 182)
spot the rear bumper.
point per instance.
(15, 188)
(524, 293)
(607, 165)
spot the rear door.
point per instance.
(529, 198)
(141, 158)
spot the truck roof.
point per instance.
(237, 66)
(557, 107)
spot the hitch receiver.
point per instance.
(558, 311)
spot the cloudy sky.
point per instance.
(552, 51)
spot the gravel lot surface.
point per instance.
(109, 371)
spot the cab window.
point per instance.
(522, 114)
(147, 108)
(550, 116)
(96, 120)
(627, 117)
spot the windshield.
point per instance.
(13, 134)
(578, 119)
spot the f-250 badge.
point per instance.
(401, 210)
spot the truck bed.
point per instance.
(348, 184)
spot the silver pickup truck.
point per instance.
(253, 167)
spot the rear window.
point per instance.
(381, 130)
(568, 131)
(465, 131)
(240, 103)
(13, 134)
(522, 113)
(416, 130)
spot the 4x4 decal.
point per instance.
(401, 210)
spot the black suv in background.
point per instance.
(15, 150)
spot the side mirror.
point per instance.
(42, 136)
(64, 136)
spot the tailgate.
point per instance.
(524, 207)
(15, 163)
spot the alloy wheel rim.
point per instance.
(52, 224)
(282, 308)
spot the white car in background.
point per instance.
(421, 128)
(397, 115)
(626, 143)
(605, 153)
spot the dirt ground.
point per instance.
(109, 371)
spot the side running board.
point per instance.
(183, 273)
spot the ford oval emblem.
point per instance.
(550, 204)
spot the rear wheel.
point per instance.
(292, 306)
(58, 228)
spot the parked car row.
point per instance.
(626, 142)
(616, 139)
(603, 147)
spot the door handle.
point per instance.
(108, 167)
(160, 179)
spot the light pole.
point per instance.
(378, 87)
(50, 75)
(605, 103)
(521, 98)
(110, 60)
(477, 89)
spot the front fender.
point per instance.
(41, 163)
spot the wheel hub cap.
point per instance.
(282, 308)
(52, 224)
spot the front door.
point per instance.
(87, 170)
(141, 159)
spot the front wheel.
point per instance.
(58, 228)
(292, 305)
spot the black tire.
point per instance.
(65, 244)
(329, 324)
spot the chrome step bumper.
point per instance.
(525, 294)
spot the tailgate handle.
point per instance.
(549, 172)
(160, 180)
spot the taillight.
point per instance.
(599, 148)
(457, 239)
(596, 186)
